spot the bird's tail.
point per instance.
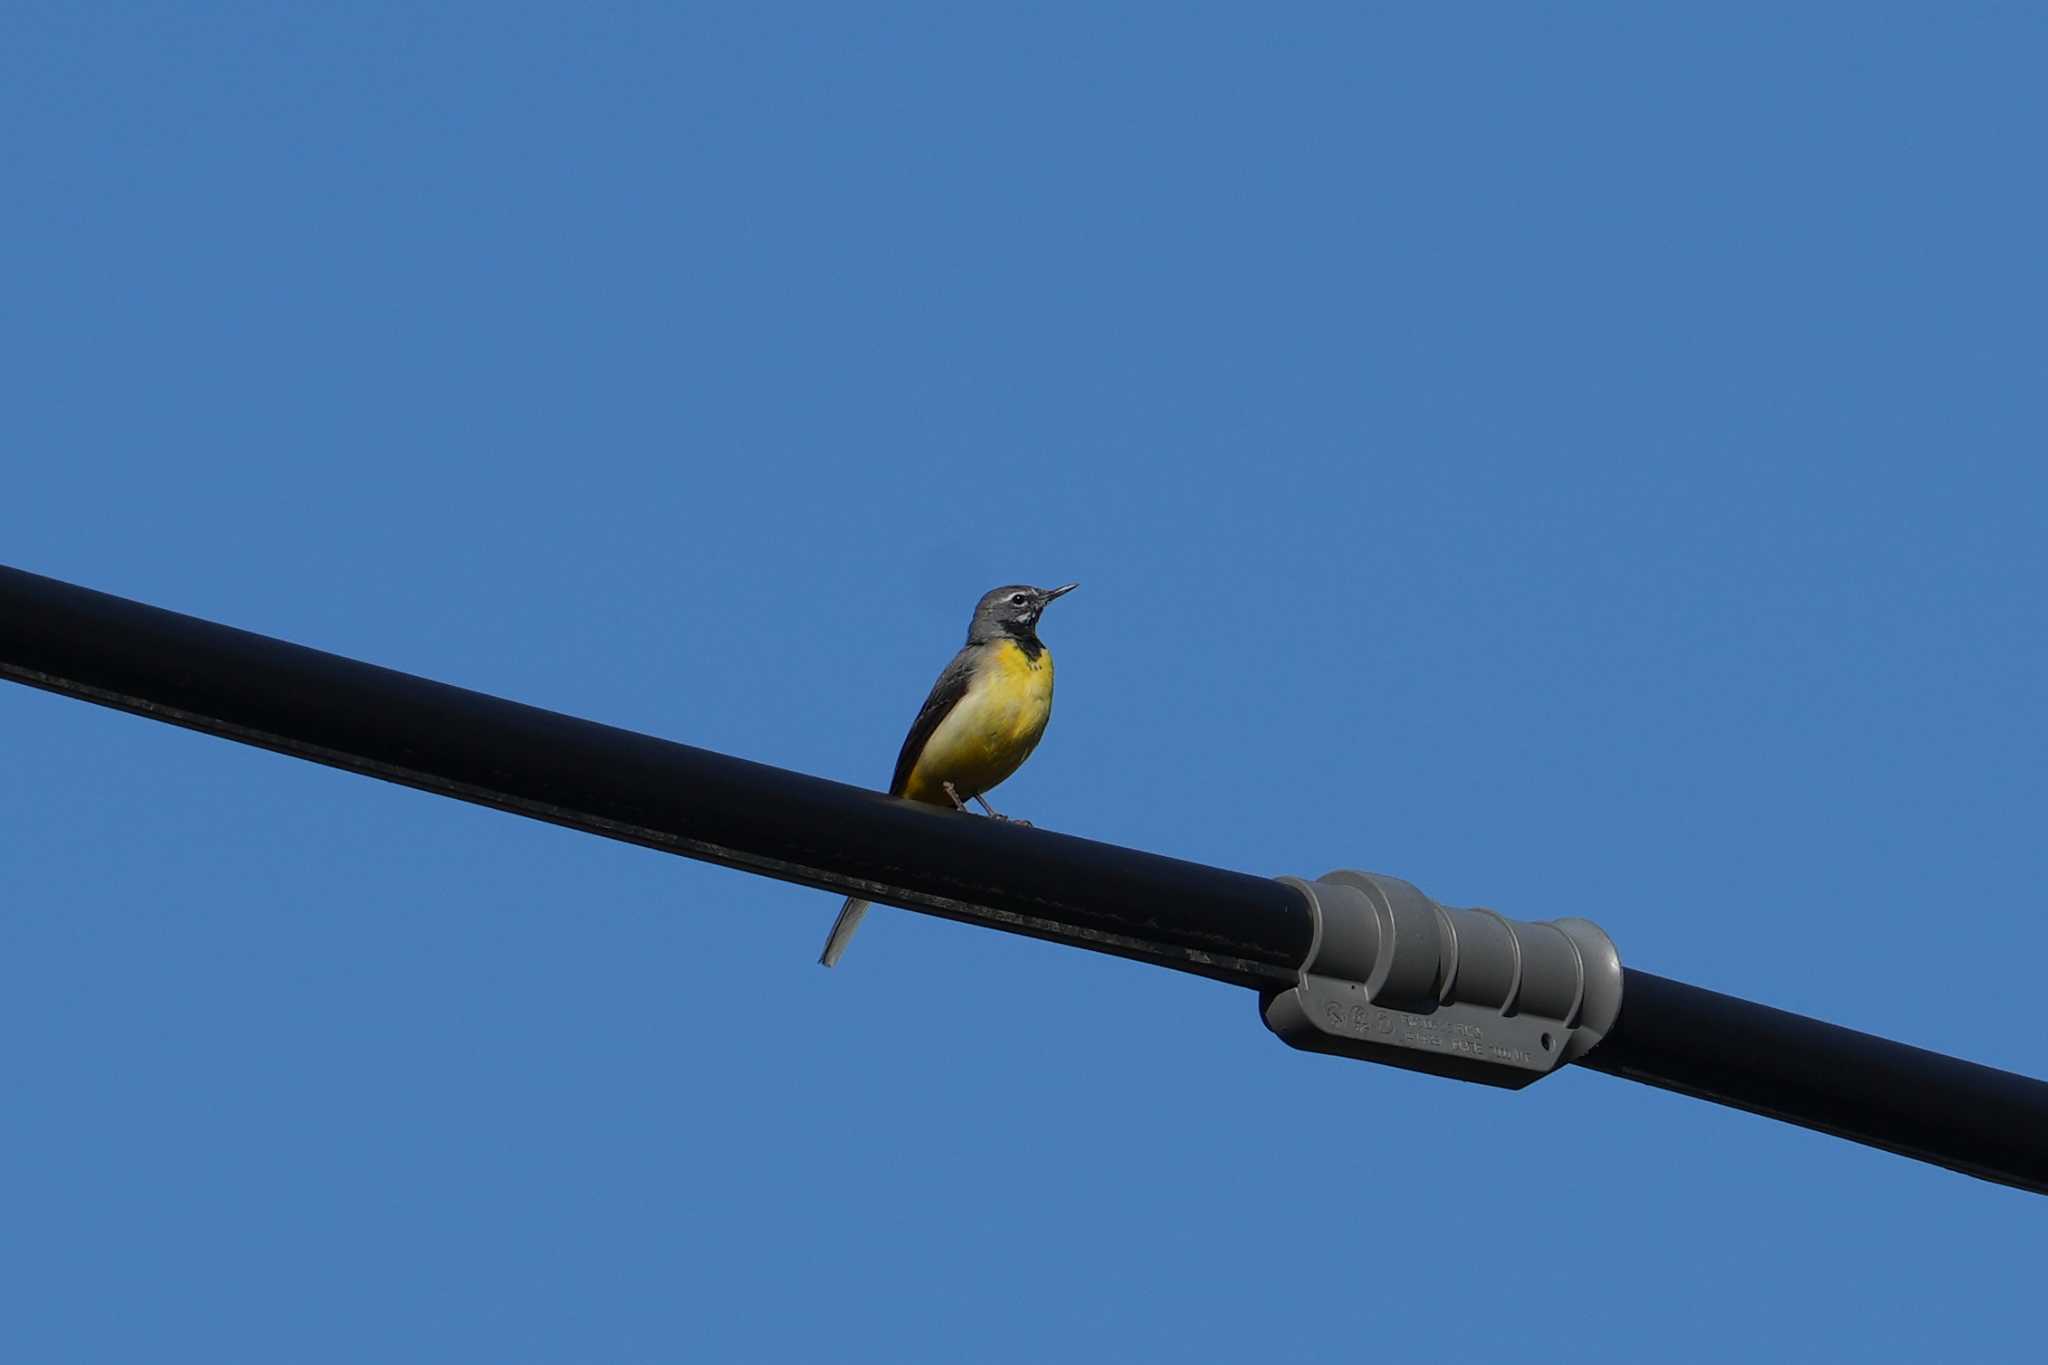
(842, 930)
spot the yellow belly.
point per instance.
(990, 732)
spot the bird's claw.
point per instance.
(993, 813)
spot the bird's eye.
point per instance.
(1018, 599)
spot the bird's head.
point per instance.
(1012, 611)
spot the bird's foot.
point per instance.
(954, 792)
(995, 814)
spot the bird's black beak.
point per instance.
(1062, 591)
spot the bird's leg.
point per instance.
(995, 814)
(950, 790)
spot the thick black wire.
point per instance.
(1251, 931)
(1246, 930)
(1977, 1119)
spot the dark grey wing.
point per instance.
(946, 694)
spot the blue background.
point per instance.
(1581, 460)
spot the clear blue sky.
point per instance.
(1585, 461)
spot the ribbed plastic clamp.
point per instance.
(1393, 977)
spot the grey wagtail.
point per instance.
(980, 723)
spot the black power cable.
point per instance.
(1245, 930)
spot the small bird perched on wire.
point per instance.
(982, 720)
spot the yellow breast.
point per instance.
(991, 731)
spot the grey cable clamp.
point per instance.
(1394, 977)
